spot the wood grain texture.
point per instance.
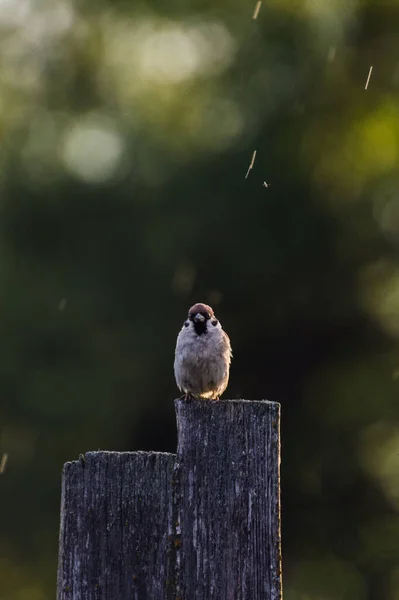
(228, 500)
(115, 536)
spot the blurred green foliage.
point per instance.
(126, 132)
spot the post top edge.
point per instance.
(93, 454)
(263, 402)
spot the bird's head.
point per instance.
(199, 315)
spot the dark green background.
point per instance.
(126, 131)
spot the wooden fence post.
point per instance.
(115, 527)
(229, 500)
(202, 525)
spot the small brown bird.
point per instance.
(203, 355)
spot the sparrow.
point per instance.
(203, 355)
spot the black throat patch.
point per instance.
(200, 327)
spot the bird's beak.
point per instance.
(199, 318)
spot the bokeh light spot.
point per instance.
(93, 150)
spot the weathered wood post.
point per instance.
(200, 525)
(115, 519)
(229, 504)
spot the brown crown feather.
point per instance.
(200, 308)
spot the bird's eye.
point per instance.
(214, 322)
(187, 323)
